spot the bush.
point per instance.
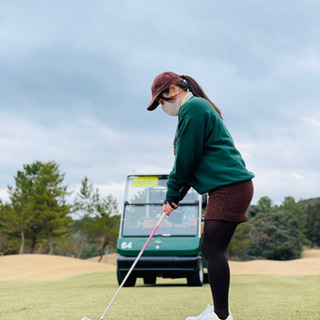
(240, 241)
(275, 236)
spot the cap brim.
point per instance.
(154, 103)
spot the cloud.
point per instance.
(278, 184)
(314, 122)
(75, 82)
(81, 147)
(297, 176)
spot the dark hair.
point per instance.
(194, 87)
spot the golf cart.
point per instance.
(174, 251)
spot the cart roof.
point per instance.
(152, 172)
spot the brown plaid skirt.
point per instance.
(230, 203)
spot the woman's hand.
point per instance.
(168, 209)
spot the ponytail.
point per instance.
(196, 90)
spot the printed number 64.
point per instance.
(126, 245)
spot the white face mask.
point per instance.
(172, 108)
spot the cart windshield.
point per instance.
(143, 207)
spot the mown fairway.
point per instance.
(252, 298)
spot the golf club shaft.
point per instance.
(135, 262)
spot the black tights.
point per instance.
(215, 241)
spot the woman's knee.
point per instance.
(211, 250)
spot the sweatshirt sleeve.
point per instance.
(189, 151)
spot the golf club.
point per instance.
(133, 265)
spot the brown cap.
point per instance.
(162, 82)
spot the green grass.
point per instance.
(252, 298)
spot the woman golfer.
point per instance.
(206, 160)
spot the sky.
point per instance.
(76, 76)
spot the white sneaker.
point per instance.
(207, 311)
(208, 314)
(213, 316)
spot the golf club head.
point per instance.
(85, 318)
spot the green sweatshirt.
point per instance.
(205, 155)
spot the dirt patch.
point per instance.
(45, 267)
(309, 264)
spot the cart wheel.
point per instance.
(130, 282)
(150, 279)
(196, 278)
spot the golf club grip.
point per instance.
(135, 262)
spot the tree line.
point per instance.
(277, 232)
(38, 218)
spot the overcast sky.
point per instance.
(75, 80)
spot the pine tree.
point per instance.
(85, 204)
(38, 203)
(104, 229)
